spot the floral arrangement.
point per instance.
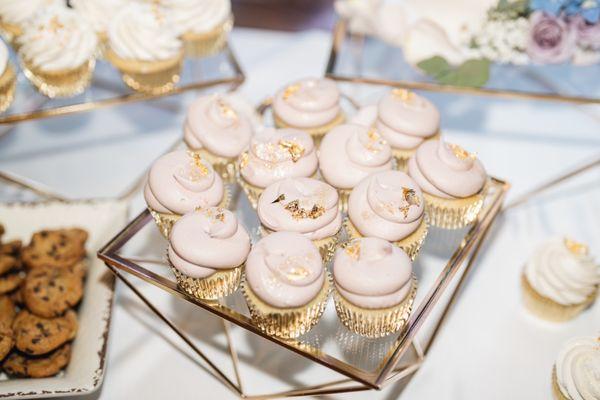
(459, 52)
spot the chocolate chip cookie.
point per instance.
(7, 311)
(21, 365)
(8, 263)
(49, 292)
(12, 248)
(10, 281)
(7, 340)
(57, 249)
(36, 335)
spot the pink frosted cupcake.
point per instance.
(388, 205)
(309, 104)
(218, 132)
(286, 286)
(180, 182)
(207, 251)
(374, 287)
(453, 183)
(304, 205)
(275, 154)
(350, 153)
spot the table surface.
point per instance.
(490, 347)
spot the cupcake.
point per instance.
(453, 183)
(560, 280)
(207, 251)
(374, 287)
(388, 205)
(203, 24)
(14, 14)
(219, 132)
(180, 182)
(350, 153)
(286, 286)
(145, 47)
(275, 154)
(576, 373)
(58, 52)
(312, 105)
(304, 205)
(97, 14)
(8, 79)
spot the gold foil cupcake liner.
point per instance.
(154, 77)
(209, 43)
(379, 322)
(287, 323)
(453, 213)
(252, 192)
(326, 246)
(220, 284)
(226, 167)
(548, 309)
(410, 244)
(62, 83)
(165, 221)
(344, 195)
(10, 32)
(7, 87)
(316, 133)
(558, 395)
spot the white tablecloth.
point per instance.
(490, 348)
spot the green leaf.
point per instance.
(434, 66)
(471, 73)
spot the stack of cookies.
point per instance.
(39, 286)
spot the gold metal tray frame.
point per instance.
(340, 35)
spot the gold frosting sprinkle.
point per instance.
(577, 248)
(226, 110)
(55, 25)
(460, 153)
(403, 94)
(290, 90)
(244, 160)
(297, 273)
(295, 149)
(353, 249)
(298, 212)
(410, 196)
(198, 170)
(374, 138)
(279, 198)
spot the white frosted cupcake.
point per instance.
(203, 24)
(207, 251)
(560, 280)
(349, 153)
(576, 373)
(98, 14)
(145, 47)
(219, 131)
(58, 52)
(180, 182)
(8, 79)
(275, 154)
(304, 205)
(14, 14)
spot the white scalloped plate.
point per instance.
(101, 219)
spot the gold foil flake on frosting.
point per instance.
(198, 170)
(290, 90)
(374, 138)
(55, 25)
(353, 249)
(410, 196)
(293, 207)
(404, 95)
(279, 198)
(460, 153)
(226, 110)
(244, 160)
(295, 149)
(577, 248)
(297, 273)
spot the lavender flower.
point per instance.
(551, 40)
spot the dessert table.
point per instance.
(489, 347)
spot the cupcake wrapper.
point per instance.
(287, 322)
(410, 244)
(154, 77)
(379, 322)
(548, 309)
(401, 157)
(10, 32)
(7, 87)
(209, 43)
(64, 83)
(220, 284)
(226, 167)
(252, 192)
(453, 213)
(558, 395)
(318, 132)
(344, 195)
(165, 221)
(326, 246)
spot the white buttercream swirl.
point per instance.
(57, 40)
(3, 57)
(197, 16)
(97, 13)
(18, 11)
(143, 32)
(561, 275)
(578, 369)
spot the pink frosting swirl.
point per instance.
(350, 153)
(308, 103)
(275, 154)
(303, 205)
(406, 119)
(285, 270)
(365, 116)
(372, 273)
(446, 170)
(388, 205)
(207, 240)
(180, 181)
(214, 124)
